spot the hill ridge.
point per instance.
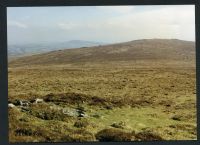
(136, 50)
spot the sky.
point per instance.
(109, 24)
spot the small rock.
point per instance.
(10, 105)
(36, 101)
(70, 112)
(82, 115)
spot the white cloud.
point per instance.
(164, 22)
(17, 24)
(67, 25)
(118, 9)
(109, 24)
(160, 22)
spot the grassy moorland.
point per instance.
(123, 98)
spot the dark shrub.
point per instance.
(81, 123)
(147, 136)
(72, 98)
(113, 134)
(177, 117)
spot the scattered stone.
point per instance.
(23, 109)
(21, 103)
(70, 112)
(36, 101)
(82, 115)
(81, 111)
(10, 105)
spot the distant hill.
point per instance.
(137, 50)
(36, 48)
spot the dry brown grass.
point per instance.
(142, 97)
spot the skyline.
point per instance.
(108, 24)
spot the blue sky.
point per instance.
(99, 23)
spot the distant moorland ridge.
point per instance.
(137, 50)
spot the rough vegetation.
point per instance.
(106, 101)
(113, 135)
